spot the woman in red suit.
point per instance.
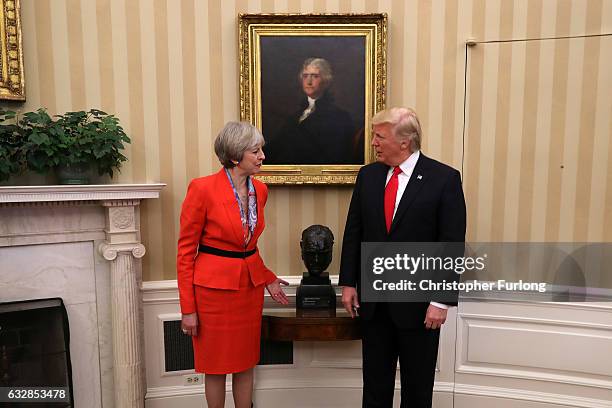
(221, 275)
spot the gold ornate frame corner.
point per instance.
(12, 82)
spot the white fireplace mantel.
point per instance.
(82, 243)
(97, 192)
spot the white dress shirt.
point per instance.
(403, 178)
(309, 109)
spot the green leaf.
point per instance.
(39, 138)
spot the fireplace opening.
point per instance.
(35, 354)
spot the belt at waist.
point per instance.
(227, 254)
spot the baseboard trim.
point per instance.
(439, 388)
(268, 385)
(531, 396)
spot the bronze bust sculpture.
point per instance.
(317, 245)
(315, 290)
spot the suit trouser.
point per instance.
(382, 343)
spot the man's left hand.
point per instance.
(435, 317)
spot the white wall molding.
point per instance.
(531, 396)
(345, 363)
(589, 306)
(338, 386)
(539, 321)
(525, 374)
(469, 342)
(92, 192)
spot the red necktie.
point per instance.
(390, 195)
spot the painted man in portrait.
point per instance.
(318, 132)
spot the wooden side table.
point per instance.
(309, 325)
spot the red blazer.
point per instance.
(210, 215)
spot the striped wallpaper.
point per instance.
(537, 133)
(169, 70)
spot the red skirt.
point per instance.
(229, 327)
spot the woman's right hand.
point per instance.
(189, 324)
(276, 291)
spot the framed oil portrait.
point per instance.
(12, 83)
(311, 83)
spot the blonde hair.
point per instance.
(405, 124)
(234, 139)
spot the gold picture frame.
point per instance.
(320, 142)
(12, 82)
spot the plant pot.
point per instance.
(74, 174)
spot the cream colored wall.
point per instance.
(169, 70)
(538, 129)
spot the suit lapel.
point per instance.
(417, 180)
(260, 213)
(231, 206)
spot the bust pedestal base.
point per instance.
(315, 292)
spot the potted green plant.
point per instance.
(74, 144)
(12, 146)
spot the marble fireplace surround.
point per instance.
(82, 243)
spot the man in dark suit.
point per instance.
(404, 197)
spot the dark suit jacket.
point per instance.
(432, 209)
(326, 136)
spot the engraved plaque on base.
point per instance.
(315, 292)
